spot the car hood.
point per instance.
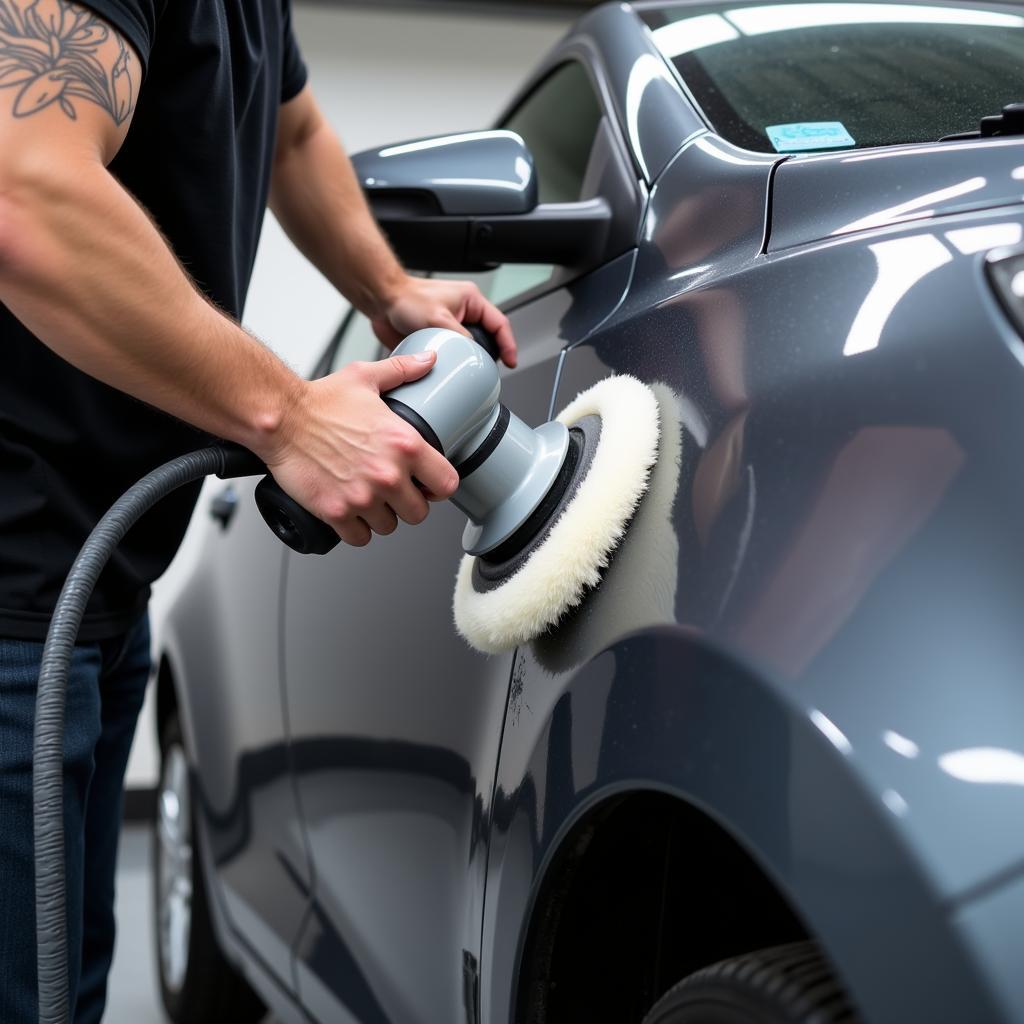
(834, 194)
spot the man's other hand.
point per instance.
(418, 302)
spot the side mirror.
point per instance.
(469, 202)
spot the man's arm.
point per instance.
(316, 197)
(85, 269)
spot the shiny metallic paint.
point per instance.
(469, 173)
(917, 638)
(828, 195)
(230, 708)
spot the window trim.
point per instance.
(574, 52)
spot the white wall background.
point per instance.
(382, 75)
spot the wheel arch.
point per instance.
(653, 842)
(166, 693)
(688, 727)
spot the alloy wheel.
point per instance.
(174, 835)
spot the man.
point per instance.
(139, 143)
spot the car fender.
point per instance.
(666, 710)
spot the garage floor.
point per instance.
(132, 992)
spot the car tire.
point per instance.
(792, 984)
(197, 984)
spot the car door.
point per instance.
(394, 722)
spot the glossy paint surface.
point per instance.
(810, 633)
(826, 196)
(842, 535)
(472, 173)
(224, 656)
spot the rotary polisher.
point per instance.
(546, 506)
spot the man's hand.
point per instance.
(419, 303)
(344, 456)
(316, 196)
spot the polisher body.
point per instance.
(506, 467)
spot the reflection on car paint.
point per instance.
(985, 765)
(902, 262)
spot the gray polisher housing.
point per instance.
(506, 467)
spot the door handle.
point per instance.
(224, 506)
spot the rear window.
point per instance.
(801, 77)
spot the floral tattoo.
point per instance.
(49, 51)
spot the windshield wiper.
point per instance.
(1009, 122)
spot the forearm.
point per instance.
(316, 196)
(83, 267)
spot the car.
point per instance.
(772, 768)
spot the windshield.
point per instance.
(791, 78)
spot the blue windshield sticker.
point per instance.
(804, 135)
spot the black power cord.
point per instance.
(225, 461)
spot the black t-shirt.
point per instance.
(198, 157)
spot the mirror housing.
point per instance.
(475, 173)
(469, 202)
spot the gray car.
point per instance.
(772, 769)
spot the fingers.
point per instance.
(499, 326)
(405, 502)
(481, 311)
(381, 519)
(444, 318)
(354, 532)
(449, 304)
(434, 472)
(389, 373)
(409, 503)
(386, 333)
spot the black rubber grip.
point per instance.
(238, 461)
(490, 442)
(415, 420)
(484, 339)
(298, 528)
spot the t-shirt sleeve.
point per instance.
(134, 19)
(293, 68)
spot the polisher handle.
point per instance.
(304, 532)
(298, 528)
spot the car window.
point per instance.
(558, 122)
(795, 77)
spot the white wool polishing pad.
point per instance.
(568, 563)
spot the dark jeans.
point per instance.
(105, 691)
